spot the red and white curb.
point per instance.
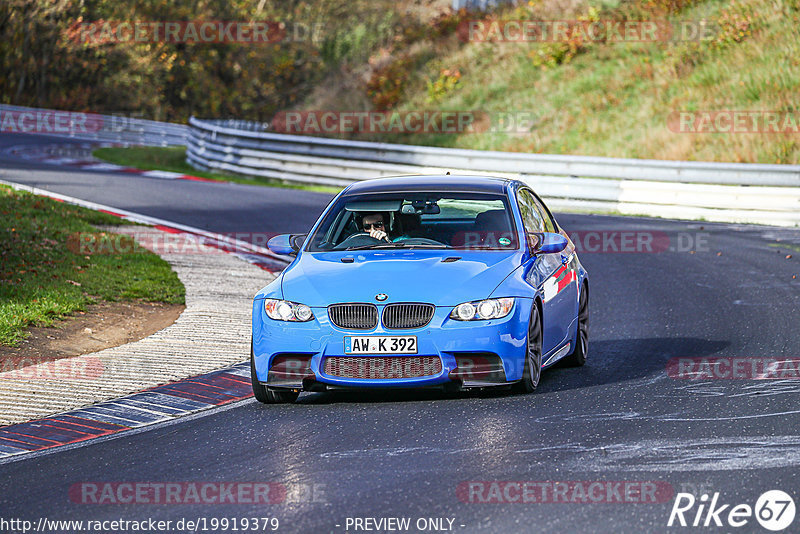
(79, 156)
(146, 408)
(211, 333)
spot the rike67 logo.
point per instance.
(774, 510)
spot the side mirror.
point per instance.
(286, 244)
(550, 243)
(296, 241)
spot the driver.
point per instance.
(375, 225)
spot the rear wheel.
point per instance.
(265, 394)
(532, 370)
(578, 356)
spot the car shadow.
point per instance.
(623, 360)
(610, 361)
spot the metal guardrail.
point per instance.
(730, 192)
(91, 126)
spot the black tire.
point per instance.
(578, 356)
(265, 394)
(532, 370)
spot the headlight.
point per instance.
(283, 310)
(482, 310)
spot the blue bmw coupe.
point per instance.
(421, 281)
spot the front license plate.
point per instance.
(380, 345)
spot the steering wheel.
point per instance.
(357, 240)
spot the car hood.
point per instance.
(319, 279)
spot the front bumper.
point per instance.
(501, 340)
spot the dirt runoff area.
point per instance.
(101, 326)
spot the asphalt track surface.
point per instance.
(403, 454)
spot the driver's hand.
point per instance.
(380, 235)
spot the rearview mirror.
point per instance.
(286, 244)
(550, 243)
(422, 207)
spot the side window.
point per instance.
(549, 223)
(531, 217)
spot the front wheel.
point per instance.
(532, 370)
(578, 356)
(265, 394)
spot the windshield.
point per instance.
(438, 220)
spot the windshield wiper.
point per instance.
(397, 245)
(373, 245)
(420, 245)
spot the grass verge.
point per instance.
(174, 159)
(43, 278)
(617, 98)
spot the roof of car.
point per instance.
(484, 184)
